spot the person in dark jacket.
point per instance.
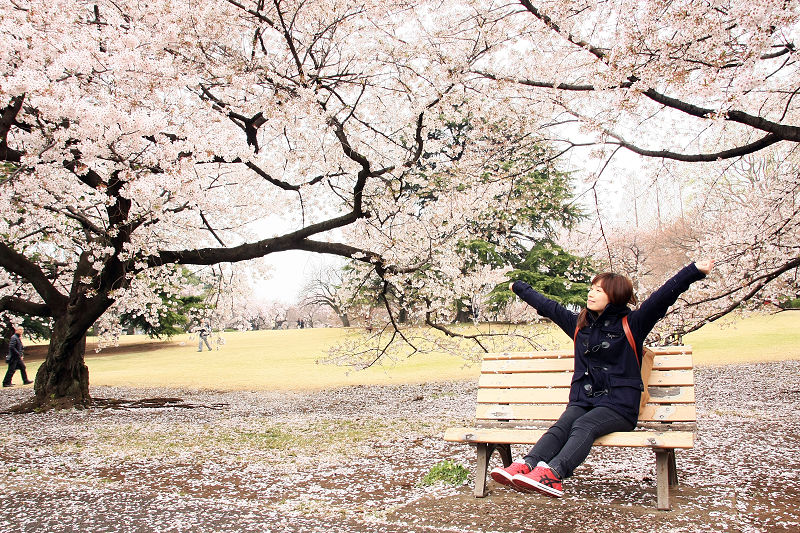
(606, 385)
(14, 358)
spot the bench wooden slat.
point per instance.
(671, 394)
(673, 362)
(524, 395)
(660, 362)
(537, 379)
(567, 352)
(658, 395)
(563, 379)
(544, 354)
(527, 412)
(650, 439)
(672, 377)
(566, 364)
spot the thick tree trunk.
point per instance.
(345, 320)
(63, 378)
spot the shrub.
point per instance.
(446, 472)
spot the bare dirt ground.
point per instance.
(351, 460)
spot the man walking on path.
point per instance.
(205, 331)
(14, 359)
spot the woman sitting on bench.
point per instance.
(607, 385)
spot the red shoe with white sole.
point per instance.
(541, 479)
(505, 476)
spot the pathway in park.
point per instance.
(352, 459)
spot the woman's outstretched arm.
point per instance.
(656, 305)
(560, 315)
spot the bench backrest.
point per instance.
(532, 388)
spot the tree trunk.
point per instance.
(345, 320)
(63, 379)
(6, 331)
(463, 315)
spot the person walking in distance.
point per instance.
(14, 359)
(606, 384)
(205, 331)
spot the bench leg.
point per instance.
(484, 455)
(666, 476)
(673, 470)
(505, 454)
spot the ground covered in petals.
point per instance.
(352, 459)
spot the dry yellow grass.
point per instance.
(263, 360)
(286, 360)
(737, 340)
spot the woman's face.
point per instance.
(598, 299)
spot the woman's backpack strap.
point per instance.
(629, 334)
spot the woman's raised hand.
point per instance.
(704, 265)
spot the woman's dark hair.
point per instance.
(617, 287)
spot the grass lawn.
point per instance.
(287, 359)
(259, 360)
(760, 338)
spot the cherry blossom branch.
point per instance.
(739, 151)
(24, 307)
(8, 117)
(453, 334)
(210, 229)
(14, 262)
(775, 130)
(759, 281)
(395, 325)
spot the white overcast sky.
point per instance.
(290, 270)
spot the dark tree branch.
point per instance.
(287, 35)
(207, 225)
(249, 126)
(8, 117)
(739, 151)
(597, 52)
(756, 283)
(784, 132)
(24, 307)
(258, 15)
(16, 263)
(278, 183)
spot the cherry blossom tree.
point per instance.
(322, 289)
(138, 136)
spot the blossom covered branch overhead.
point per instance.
(708, 75)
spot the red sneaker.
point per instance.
(541, 479)
(504, 476)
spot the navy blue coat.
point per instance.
(14, 347)
(606, 370)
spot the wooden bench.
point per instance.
(520, 395)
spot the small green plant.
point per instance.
(446, 472)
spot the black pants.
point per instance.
(13, 365)
(567, 443)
